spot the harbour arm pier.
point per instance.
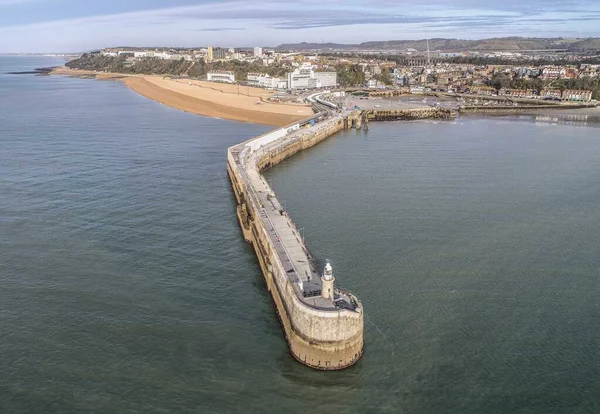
(322, 323)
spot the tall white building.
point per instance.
(306, 78)
(300, 78)
(258, 52)
(327, 79)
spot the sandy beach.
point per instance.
(225, 101)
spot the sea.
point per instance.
(126, 286)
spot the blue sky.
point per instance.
(80, 25)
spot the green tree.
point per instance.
(350, 75)
(500, 80)
(386, 77)
(150, 66)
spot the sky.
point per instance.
(40, 26)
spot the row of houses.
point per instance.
(559, 72)
(210, 53)
(576, 96)
(141, 54)
(569, 95)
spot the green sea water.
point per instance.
(125, 285)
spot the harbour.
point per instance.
(127, 284)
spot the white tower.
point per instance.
(327, 279)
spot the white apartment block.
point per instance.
(299, 79)
(306, 78)
(262, 80)
(268, 61)
(553, 72)
(258, 51)
(327, 79)
(147, 54)
(221, 76)
(162, 55)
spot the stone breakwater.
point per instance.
(410, 114)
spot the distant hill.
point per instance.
(591, 43)
(314, 46)
(513, 44)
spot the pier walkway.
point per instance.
(282, 231)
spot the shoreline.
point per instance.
(210, 99)
(248, 104)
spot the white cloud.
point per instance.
(270, 22)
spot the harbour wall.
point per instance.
(320, 338)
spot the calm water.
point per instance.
(125, 285)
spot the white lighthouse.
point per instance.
(327, 279)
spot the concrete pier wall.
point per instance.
(325, 339)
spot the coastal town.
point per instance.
(254, 206)
(546, 76)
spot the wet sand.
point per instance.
(225, 101)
